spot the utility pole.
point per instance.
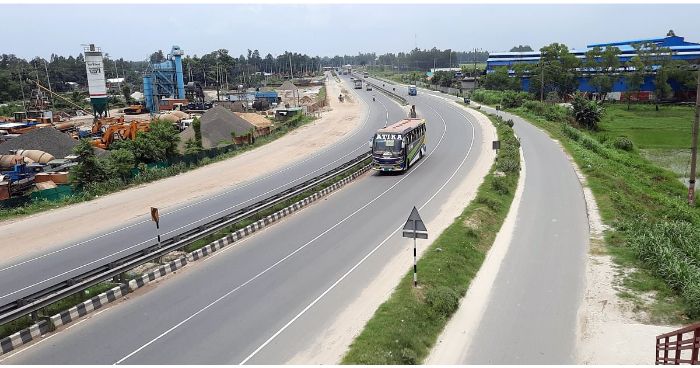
(48, 80)
(694, 146)
(541, 79)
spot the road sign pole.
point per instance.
(158, 231)
(415, 264)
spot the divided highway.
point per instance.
(264, 299)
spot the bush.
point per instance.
(513, 99)
(586, 113)
(510, 122)
(508, 165)
(571, 132)
(500, 185)
(442, 300)
(623, 143)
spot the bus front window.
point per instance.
(387, 145)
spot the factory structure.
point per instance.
(94, 65)
(164, 82)
(681, 50)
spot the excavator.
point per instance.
(119, 132)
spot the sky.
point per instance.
(133, 32)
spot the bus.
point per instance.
(398, 146)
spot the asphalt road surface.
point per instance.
(266, 298)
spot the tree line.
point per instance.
(217, 68)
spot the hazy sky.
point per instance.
(135, 31)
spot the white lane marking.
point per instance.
(287, 256)
(173, 230)
(241, 186)
(471, 144)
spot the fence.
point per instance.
(683, 343)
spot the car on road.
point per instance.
(369, 87)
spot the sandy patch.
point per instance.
(44, 231)
(330, 346)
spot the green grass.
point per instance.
(651, 223)
(55, 308)
(147, 176)
(406, 326)
(668, 128)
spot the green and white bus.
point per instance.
(398, 146)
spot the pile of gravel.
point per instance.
(217, 125)
(46, 139)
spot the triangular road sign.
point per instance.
(414, 227)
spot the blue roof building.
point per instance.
(681, 49)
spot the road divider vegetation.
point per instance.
(405, 327)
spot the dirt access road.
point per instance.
(41, 232)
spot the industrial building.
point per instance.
(164, 81)
(681, 49)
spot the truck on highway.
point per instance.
(412, 91)
(398, 146)
(365, 75)
(358, 83)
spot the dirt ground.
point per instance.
(330, 346)
(48, 230)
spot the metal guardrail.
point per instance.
(684, 343)
(386, 92)
(42, 298)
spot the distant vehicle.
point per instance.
(412, 91)
(358, 83)
(369, 87)
(398, 146)
(365, 75)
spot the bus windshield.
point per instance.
(387, 145)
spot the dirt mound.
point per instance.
(47, 139)
(217, 125)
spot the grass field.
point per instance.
(663, 137)
(668, 128)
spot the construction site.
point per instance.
(37, 144)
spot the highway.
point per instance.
(530, 317)
(264, 299)
(24, 276)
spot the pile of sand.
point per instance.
(256, 119)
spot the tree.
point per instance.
(158, 144)
(586, 112)
(126, 92)
(558, 70)
(635, 78)
(89, 168)
(521, 48)
(500, 80)
(120, 162)
(157, 57)
(603, 65)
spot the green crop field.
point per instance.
(669, 127)
(662, 137)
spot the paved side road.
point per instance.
(531, 315)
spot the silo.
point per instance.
(96, 80)
(176, 54)
(148, 96)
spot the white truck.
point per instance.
(358, 83)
